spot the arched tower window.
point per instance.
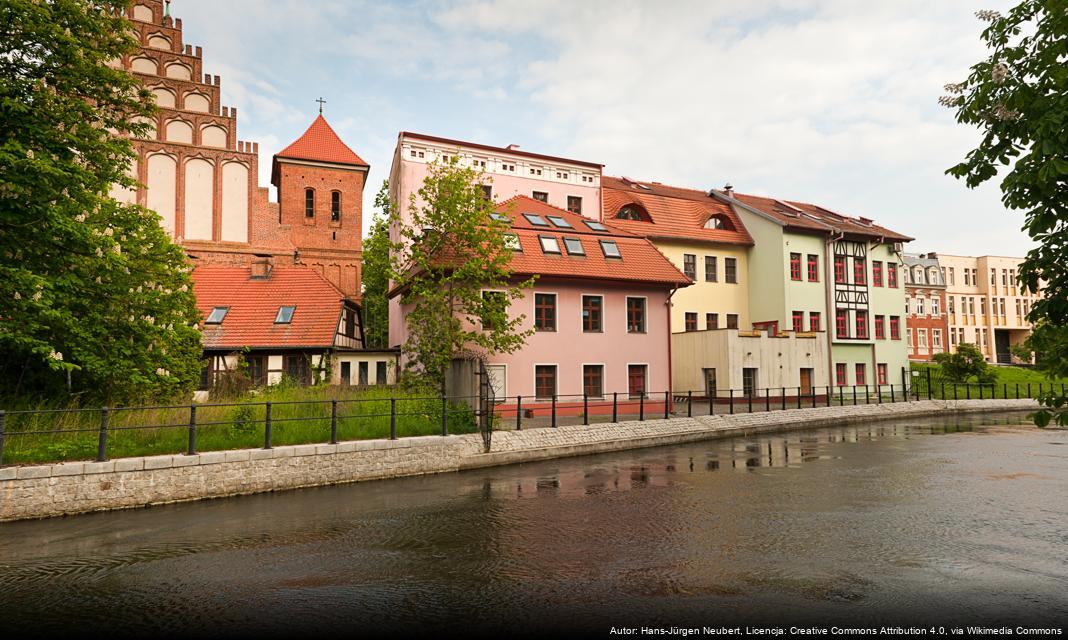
(309, 203)
(335, 206)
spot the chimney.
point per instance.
(932, 255)
(729, 190)
(261, 268)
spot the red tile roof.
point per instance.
(486, 147)
(321, 143)
(675, 212)
(802, 215)
(254, 305)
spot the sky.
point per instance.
(833, 102)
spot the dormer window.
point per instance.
(285, 315)
(309, 203)
(335, 206)
(216, 316)
(633, 212)
(719, 222)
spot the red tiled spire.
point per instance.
(321, 143)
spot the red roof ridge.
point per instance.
(320, 142)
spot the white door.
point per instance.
(498, 379)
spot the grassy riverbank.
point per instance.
(1011, 382)
(298, 416)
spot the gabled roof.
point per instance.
(322, 144)
(253, 306)
(502, 150)
(675, 212)
(811, 217)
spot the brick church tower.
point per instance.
(320, 183)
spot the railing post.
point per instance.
(267, 427)
(689, 404)
(2, 437)
(102, 441)
(585, 409)
(192, 450)
(783, 399)
(445, 416)
(767, 398)
(669, 403)
(928, 383)
(980, 390)
(967, 391)
(799, 397)
(892, 398)
(730, 400)
(867, 396)
(878, 391)
(904, 384)
(1028, 390)
(615, 406)
(518, 413)
(830, 396)
(641, 406)
(841, 396)
(333, 422)
(854, 395)
(392, 418)
(1004, 390)
(749, 399)
(942, 391)
(554, 410)
(1017, 390)
(712, 402)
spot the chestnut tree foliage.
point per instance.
(1018, 99)
(94, 297)
(445, 257)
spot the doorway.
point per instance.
(806, 382)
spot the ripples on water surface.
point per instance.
(927, 522)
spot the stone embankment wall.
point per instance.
(78, 487)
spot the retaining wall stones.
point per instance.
(77, 487)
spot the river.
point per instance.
(950, 521)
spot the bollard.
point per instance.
(730, 401)
(518, 413)
(615, 406)
(333, 422)
(102, 441)
(585, 409)
(445, 416)
(267, 427)
(689, 404)
(192, 450)
(554, 410)
(392, 418)
(668, 402)
(641, 406)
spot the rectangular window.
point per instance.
(732, 320)
(219, 313)
(813, 268)
(840, 374)
(592, 311)
(967, 277)
(952, 276)
(257, 370)
(545, 312)
(541, 196)
(710, 269)
(881, 372)
(839, 269)
(380, 372)
(636, 380)
(919, 306)
(296, 367)
(711, 321)
(610, 249)
(487, 191)
(574, 247)
(934, 307)
(841, 323)
(346, 373)
(880, 327)
(549, 244)
(799, 321)
(749, 381)
(891, 275)
(936, 339)
(861, 374)
(535, 220)
(335, 206)
(593, 380)
(730, 270)
(862, 324)
(876, 273)
(689, 265)
(895, 328)
(285, 314)
(922, 335)
(574, 204)
(691, 321)
(860, 271)
(994, 277)
(362, 372)
(814, 321)
(559, 222)
(635, 315)
(795, 266)
(545, 381)
(309, 203)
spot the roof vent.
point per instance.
(261, 268)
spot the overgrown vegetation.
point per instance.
(376, 248)
(965, 364)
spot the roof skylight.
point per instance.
(560, 222)
(549, 244)
(610, 249)
(595, 226)
(216, 316)
(535, 220)
(574, 247)
(500, 217)
(285, 314)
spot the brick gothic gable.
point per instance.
(203, 180)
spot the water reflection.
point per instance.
(959, 520)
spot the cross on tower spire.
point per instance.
(321, 103)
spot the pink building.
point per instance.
(600, 311)
(573, 185)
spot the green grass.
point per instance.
(1011, 382)
(298, 416)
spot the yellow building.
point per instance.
(704, 238)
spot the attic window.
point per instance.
(535, 220)
(549, 244)
(511, 241)
(633, 212)
(560, 222)
(574, 247)
(610, 249)
(719, 222)
(216, 316)
(595, 226)
(500, 217)
(285, 315)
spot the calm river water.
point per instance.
(921, 522)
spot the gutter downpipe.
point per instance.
(828, 271)
(667, 305)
